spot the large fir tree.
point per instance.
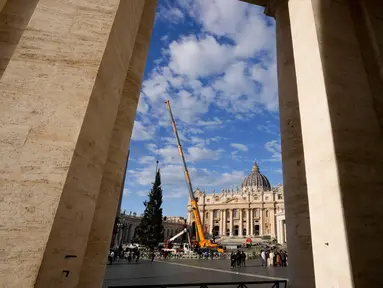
(150, 232)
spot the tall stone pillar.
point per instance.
(231, 223)
(252, 222)
(301, 271)
(224, 221)
(240, 232)
(272, 222)
(94, 264)
(341, 109)
(221, 222)
(57, 113)
(248, 222)
(211, 215)
(261, 211)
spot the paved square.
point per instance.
(188, 271)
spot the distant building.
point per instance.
(253, 210)
(129, 223)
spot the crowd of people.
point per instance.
(117, 253)
(237, 259)
(271, 258)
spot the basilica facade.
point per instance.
(253, 210)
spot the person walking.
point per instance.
(243, 259)
(278, 261)
(263, 258)
(238, 258)
(153, 256)
(283, 259)
(138, 256)
(232, 260)
(111, 257)
(271, 258)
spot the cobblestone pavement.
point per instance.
(189, 271)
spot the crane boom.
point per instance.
(193, 201)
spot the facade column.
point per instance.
(251, 222)
(272, 223)
(248, 222)
(231, 223)
(211, 215)
(279, 231)
(221, 223)
(261, 210)
(341, 107)
(240, 232)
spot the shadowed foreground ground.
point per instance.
(188, 271)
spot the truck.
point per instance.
(202, 242)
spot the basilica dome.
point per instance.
(256, 180)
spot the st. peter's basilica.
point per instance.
(255, 210)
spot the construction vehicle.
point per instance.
(168, 245)
(202, 242)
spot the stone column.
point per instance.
(231, 223)
(279, 234)
(261, 221)
(57, 113)
(272, 222)
(221, 222)
(224, 222)
(341, 110)
(248, 222)
(252, 222)
(301, 272)
(211, 215)
(240, 233)
(94, 264)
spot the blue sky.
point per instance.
(215, 61)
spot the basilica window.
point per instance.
(256, 212)
(244, 215)
(279, 196)
(235, 213)
(216, 213)
(267, 213)
(207, 215)
(207, 200)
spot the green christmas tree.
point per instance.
(150, 232)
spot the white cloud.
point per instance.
(237, 86)
(141, 132)
(142, 107)
(174, 183)
(239, 146)
(214, 122)
(165, 38)
(193, 57)
(274, 147)
(197, 153)
(143, 193)
(147, 160)
(170, 14)
(126, 192)
(269, 128)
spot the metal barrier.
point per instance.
(273, 284)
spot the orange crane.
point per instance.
(202, 241)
